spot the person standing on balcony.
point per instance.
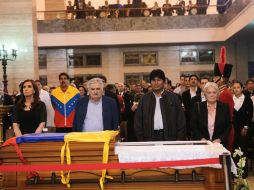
(70, 11)
(156, 10)
(202, 6)
(167, 9)
(80, 9)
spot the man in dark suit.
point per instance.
(200, 97)
(137, 5)
(80, 9)
(249, 88)
(95, 112)
(202, 6)
(186, 99)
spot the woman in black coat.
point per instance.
(30, 113)
(210, 120)
(242, 116)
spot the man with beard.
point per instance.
(159, 116)
(64, 100)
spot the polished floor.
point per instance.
(251, 176)
(251, 181)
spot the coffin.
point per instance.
(206, 178)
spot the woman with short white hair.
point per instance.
(210, 120)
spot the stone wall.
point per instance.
(18, 29)
(114, 69)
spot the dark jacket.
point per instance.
(109, 114)
(199, 122)
(243, 116)
(114, 96)
(186, 98)
(7, 100)
(172, 116)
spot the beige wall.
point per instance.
(18, 30)
(114, 70)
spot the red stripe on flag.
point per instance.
(133, 165)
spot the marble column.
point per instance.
(18, 29)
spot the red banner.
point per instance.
(133, 165)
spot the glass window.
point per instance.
(131, 59)
(203, 56)
(93, 60)
(206, 55)
(188, 56)
(43, 79)
(84, 60)
(42, 61)
(140, 58)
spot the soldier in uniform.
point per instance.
(222, 72)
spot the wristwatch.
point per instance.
(246, 127)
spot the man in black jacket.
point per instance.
(159, 116)
(186, 98)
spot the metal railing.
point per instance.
(173, 10)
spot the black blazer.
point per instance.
(186, 98)
(199, 122)
(7, 100)
(243, 116)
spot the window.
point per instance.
(188, 56)
(42, 59)
(134, 78)
(43, 79)
(140, 58)
(84, 60)
(202, 56)
(206, 55)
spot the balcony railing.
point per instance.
(72, 12)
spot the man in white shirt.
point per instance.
(186, 98)
(95, 112)
(159, 116)
(180, 89)
(45, 97)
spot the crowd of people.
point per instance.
(81, 10)
(217, 110)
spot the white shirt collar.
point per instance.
(238, 102)
(156, 96)
(239, 98)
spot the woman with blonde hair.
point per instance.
(210, 120)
